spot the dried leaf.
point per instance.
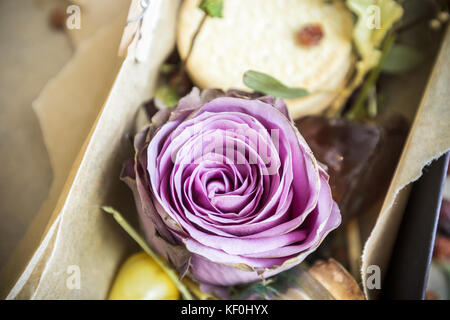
(333, 276)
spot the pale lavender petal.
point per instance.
(230, 178)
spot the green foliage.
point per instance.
(212, 8)
(266, 84)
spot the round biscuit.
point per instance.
(261, 35)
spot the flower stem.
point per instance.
(141, 242)
(357, 111)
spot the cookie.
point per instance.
(303, 43)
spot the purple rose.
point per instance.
(228, 190)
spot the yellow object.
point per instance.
(195, 289)
(141, 278)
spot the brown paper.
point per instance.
(66, 109)
(95, 14)
(26, 67)
(81, 235)
(429, 138)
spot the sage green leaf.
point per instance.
(168, 95)
(212, 8)
(266, 84)
(401, 58)
(141, 242)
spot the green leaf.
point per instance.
(167, 68)
(266, 84)
(263, 291)
(401, 58)
(168, 95)
(212, 8)
(358, 111)
(141, 242)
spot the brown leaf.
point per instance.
(333, 276)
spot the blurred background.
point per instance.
(33, 51)
(38, 54)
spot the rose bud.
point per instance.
(228, 190)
